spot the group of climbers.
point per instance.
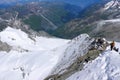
(102, 43)
(99, 44)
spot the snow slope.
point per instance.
(79, 46)
(29, 59)
(105, 67)
(18, 38)
(38, 57)
(68, 60)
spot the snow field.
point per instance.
(36, 63)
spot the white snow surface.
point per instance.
(34, 64)
(105, 67)
(77, 47)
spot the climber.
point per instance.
(112, 45)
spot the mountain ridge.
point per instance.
(90, 21)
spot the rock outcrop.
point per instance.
(5, 47)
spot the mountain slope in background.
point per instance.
(81, 3)
(45, 16)
(62, 19)
(78, 2)
(101, 17)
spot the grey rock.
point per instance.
(5, 47)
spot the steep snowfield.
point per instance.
(67, 63)
(29, 59)
(105, 67)
(78, 47)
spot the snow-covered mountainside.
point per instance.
(105, 67)
(28, 58)
(25, 57)
(112, 9)
(78, 47)
(35, 58)
(112, 4)
(69, 60)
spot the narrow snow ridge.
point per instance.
(105, 67)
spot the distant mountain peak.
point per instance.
(112, 4)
